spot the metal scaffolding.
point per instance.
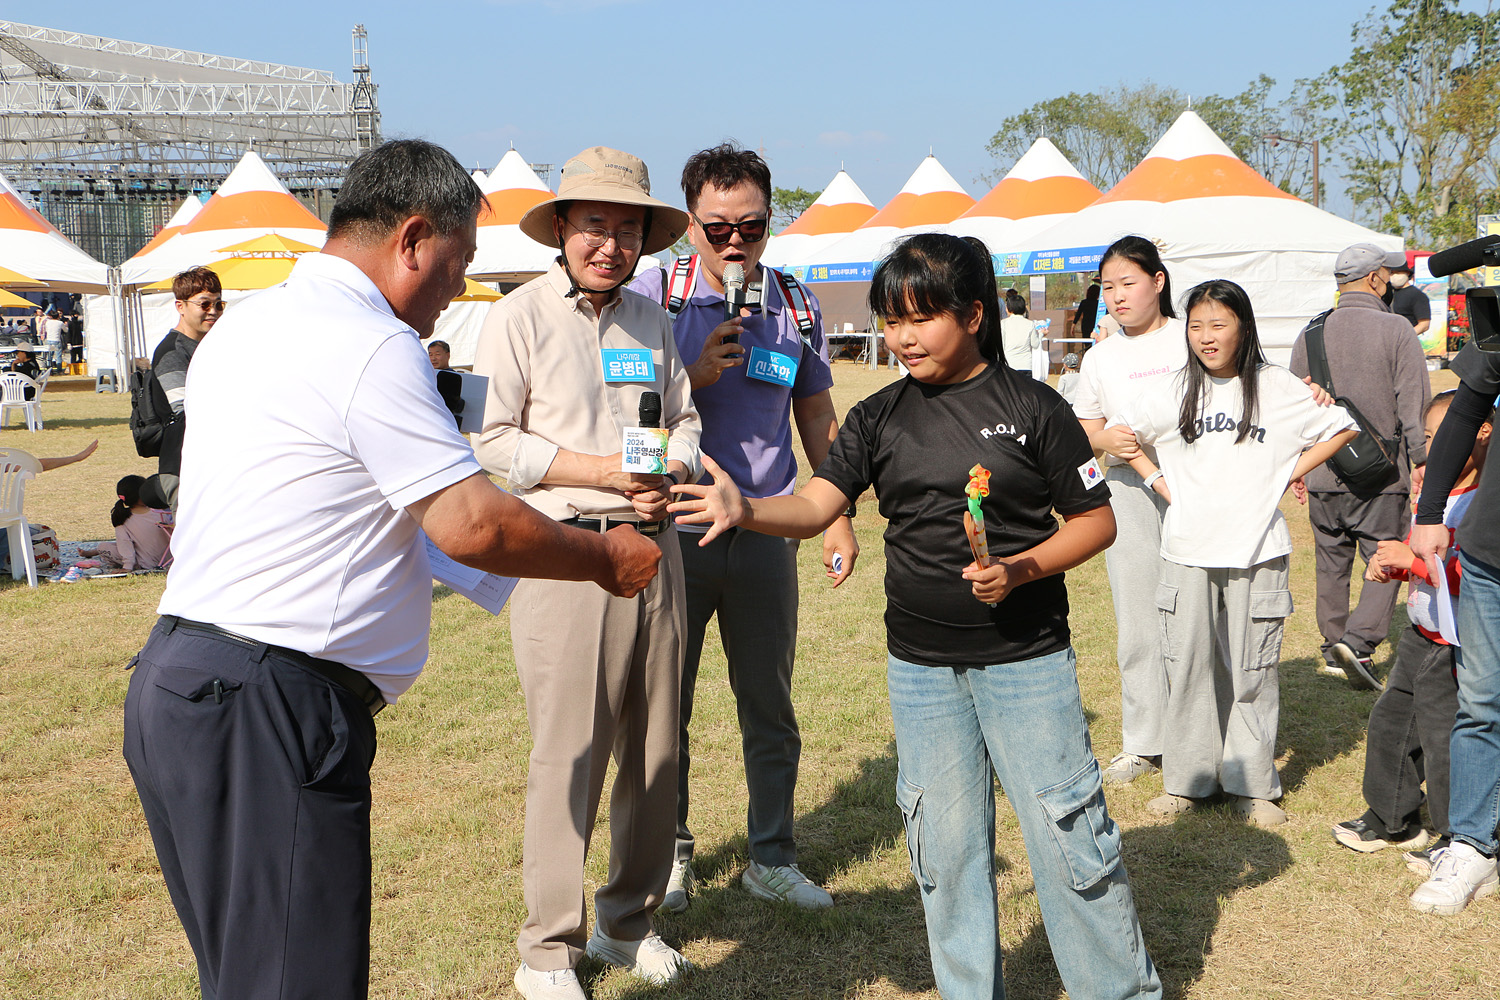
(108, 136)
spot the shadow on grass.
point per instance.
(1322, 719)
(83, 423)
(1181, 875)
(774, 950)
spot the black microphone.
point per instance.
(650, 408)
(1465, 257)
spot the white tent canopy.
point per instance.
(250, 203)
(1041, 190)
(929, 199)
(838, 211)
(32, 246)
(1214, 217)
(504, 251)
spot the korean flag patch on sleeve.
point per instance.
(1090, 474)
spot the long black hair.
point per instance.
(934, 273)
(1143, 254)
(1248, 358)
(128, 490)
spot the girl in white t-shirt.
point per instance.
(1138, 293)
(1229, 435)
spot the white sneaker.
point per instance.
(1126, 767)
(1459, 874)
(679, 886)
(785, 882)
(559, 985)
(651, 959)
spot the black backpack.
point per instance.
(148, 422)
(1367, 464)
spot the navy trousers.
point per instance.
(254, 775)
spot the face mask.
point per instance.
(1390, 294)
(1399, 279)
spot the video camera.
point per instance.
(1483, 304)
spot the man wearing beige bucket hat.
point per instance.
(573, 360)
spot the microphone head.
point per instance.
(734, 275)
(650, 408)
(1463, 257)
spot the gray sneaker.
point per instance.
(1124, 768)
(651, 958)
(679, 886)
(785, 882)
(560, 985)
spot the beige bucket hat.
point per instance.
(604, 174)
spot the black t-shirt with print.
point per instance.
(915, 444)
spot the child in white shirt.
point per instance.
(1229, 436)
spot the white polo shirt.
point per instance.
(316, 421)
(1117, 369)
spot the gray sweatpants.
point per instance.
(1134, 564)
(1221, 632)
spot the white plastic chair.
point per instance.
(16, 467)
(13, 386)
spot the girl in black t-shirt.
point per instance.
(980, 668)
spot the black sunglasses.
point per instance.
(718, 233)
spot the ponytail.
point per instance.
(128, 493)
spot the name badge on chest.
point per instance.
(627, 365)
(772, 366)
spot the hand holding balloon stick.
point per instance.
(978, 488)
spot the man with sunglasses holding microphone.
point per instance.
(755, 370)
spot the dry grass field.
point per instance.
(1229, 911)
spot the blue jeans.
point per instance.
(1026, 720)
(1474, 752)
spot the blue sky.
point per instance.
(871, 85)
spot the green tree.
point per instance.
(788, 203)
(1248, 121)
(1416, 125)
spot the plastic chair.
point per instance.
(16, 467)
(13, 386)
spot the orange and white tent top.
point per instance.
(838, 211)
(33, 246)
(185, 213)
(251, 202)
(929, 199)
(511, 189)
(1040, 190)
(1190, 161)
(1042, 182)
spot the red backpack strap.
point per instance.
(679, 283)
(797, 301)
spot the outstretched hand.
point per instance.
(718, 504)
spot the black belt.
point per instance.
(351, 680)
(603, 524)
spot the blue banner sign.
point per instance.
(811, 273)
(1049, 261)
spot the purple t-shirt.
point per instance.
(747, 425)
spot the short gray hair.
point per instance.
(389, 184)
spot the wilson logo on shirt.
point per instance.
(1090, 474)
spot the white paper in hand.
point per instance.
(488, 590)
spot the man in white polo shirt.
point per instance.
(300, 599)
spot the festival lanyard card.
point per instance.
(627, 365)
(772, 366)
